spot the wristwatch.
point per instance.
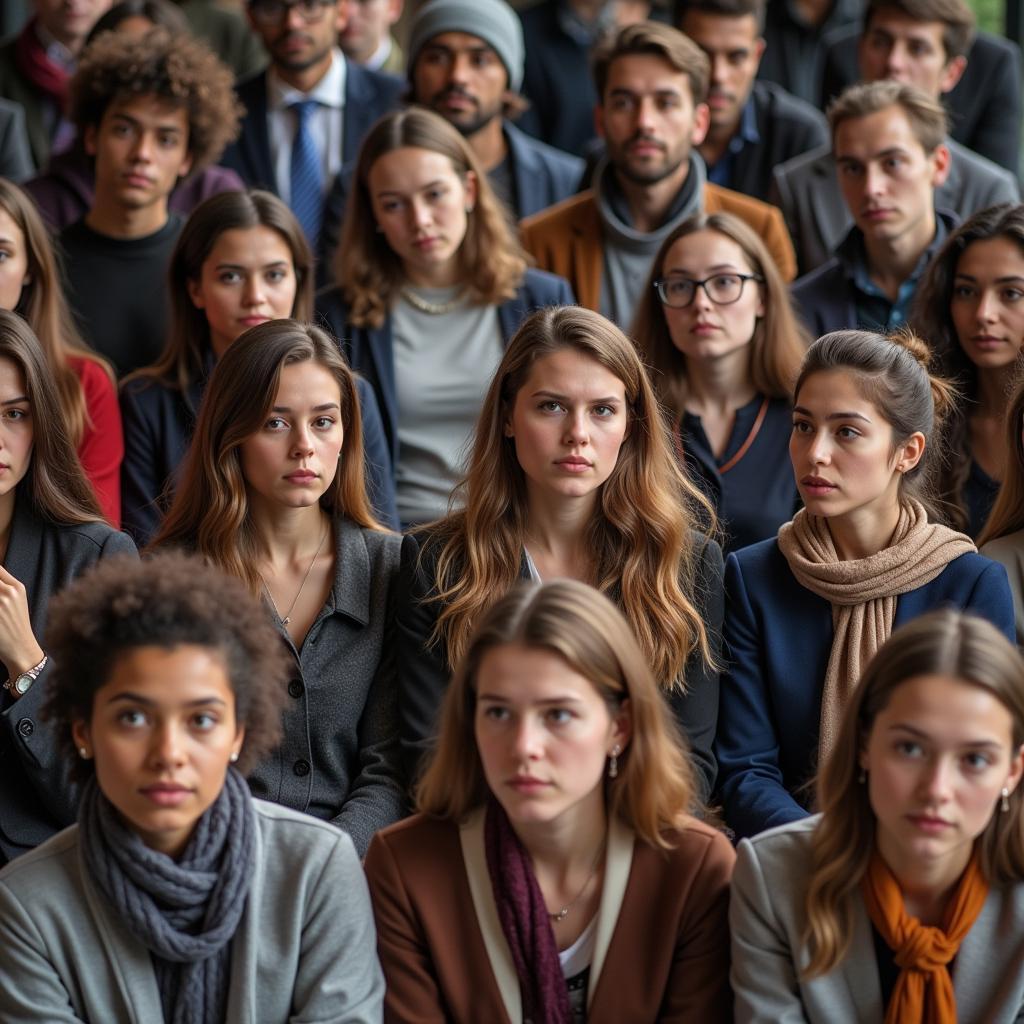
(19, 685)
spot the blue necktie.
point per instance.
(307, 173)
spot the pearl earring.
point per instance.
(83, 753)
(613, 762)
(234, 756)
(1004, 803)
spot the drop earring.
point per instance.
(234, 756)
(1004, 802)
(83, 753)
(613, 762)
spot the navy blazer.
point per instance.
(370, 352)
(541, 175)
(778, 637)
(158, 421)
(424, 671)
(369, 95)
(36, 798)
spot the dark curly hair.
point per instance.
(164, 601)
(176, 68)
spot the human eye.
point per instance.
(229, 277)
(559, 716)
(5, 256)
(482, 59)
(16, 415)
(668, 102)
(277, 275)
(275, 423)
(495, 713)
(962, 291)
(1012, 294)
(977, 761)
(850, 169)
(847, 433)
(917, 48)
(168, 140)
(323, 422)
(621, 103)
(390, 205)
(205, 721)
(133, 718)
(908, 748)
(802, 427)
(605, 411)
(894, 162)
(550, 405)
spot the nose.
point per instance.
(526, 739)
(987, 310)
(936, 780)
(874, 179)
(142, 150)
(167, 746)
(253, 293)
(719, 69)
(645, 111)
(701, 299)
(820, 449)
(294, 19)
(576, 432)
(459, 68)
(419, 213)
(302, 440)
(895, 60)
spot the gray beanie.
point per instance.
(493, 21)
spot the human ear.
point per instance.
(89, 139)
(622, 725)
(701, 123)
(195, 292)
(952, 73)
(1016, 770)
(909, 454)
(80, 734)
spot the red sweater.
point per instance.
(102, 446)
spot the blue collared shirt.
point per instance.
(721, 173)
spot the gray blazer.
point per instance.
(15, 156)
(767, 920)
(305, 949)
(806, 189)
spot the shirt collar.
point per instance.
(328, 92)
(746, 131)
(853, 256)
(56, 51)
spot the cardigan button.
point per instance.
(301, 768)
(296, 689)
(26, 727)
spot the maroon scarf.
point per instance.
(525, 922)
(32, 61)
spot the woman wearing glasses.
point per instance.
(718, 329)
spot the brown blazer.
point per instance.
(566, 238)
(661, 949)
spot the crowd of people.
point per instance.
(524, 523)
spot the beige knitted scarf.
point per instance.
(863, 592)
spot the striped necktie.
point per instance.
(307, 173)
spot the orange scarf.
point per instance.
(924, 989)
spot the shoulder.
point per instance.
(779, 105)
(555, 159)
(718, 198)
(91, 540)
(45, 875)
(253, 88)
(781, 853)
(295, 839)
(95, 380)
(575, 210)
(818, 281)
(976, 170)
(815, 163)
(764, 556)
(418, 844)
(970, 566)
(1006, 550)
(364, 81)
(708, 556)
(381, 545)
(544, 287)
(705, 850)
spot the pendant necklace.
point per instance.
(288, 615)
(561, 915)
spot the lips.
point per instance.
(138, 180)
(574, 464)
(527, 784)
(929, 823)
(166, 794)
(301, 476)
(816, 486)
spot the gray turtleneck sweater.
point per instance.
(627, 252)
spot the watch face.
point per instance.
(22, 683)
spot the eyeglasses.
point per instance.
(274, 12)
(721, 289)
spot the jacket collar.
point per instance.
(618, 863)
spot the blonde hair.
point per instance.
(777, 345)
(927, 116)
(654, 787)
(941, 643)
(492, 261)
(641, 529)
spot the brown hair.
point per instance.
(779, 341)
(121, 604)
(1007, 515)
(55, 481)
(957, 20)
(721, 9)
(655, 786)
(43, 305)
(178, 69)
(931, 316)
(210, 511)
(492, 261)
(188, 340)
(654, 39)
(641, 532)
(926, 115)
(891, 372)
(941, 643)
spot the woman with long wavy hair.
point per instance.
(1003, 536)
(970, 307)
(272, 492)
(571, 474)
(51, 529)
(904, 899)
(30, 285)
(554, 873)
(432, 283)
(241, 259)
(717, 327)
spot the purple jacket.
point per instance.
(64, 192)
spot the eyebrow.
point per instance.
(418, 188)
(833, 415)
(496, 699)
(904, 727)
(891, 151)
(316, 408)
(137, 698)
(167, 126)
(242, 266)
(14, 401)
(620, 91)
(565, 398)
(718, 268)
(972, 278)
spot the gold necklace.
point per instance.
(561, 915)
(288, 616)
(433, 308)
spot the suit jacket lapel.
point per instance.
(254, 142)
(859, 970)
(471, 837)
(618, 863)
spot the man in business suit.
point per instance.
(890, 156)
(930, 55)
(915, 43)
(652, 81)
(308, 112)
(754, 124)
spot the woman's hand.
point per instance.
(19, 649)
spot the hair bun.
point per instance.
(914, 344)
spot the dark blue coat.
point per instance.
(370, 352)
(778, 636)
(158, 421)
(541, 175)
(369, 95)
